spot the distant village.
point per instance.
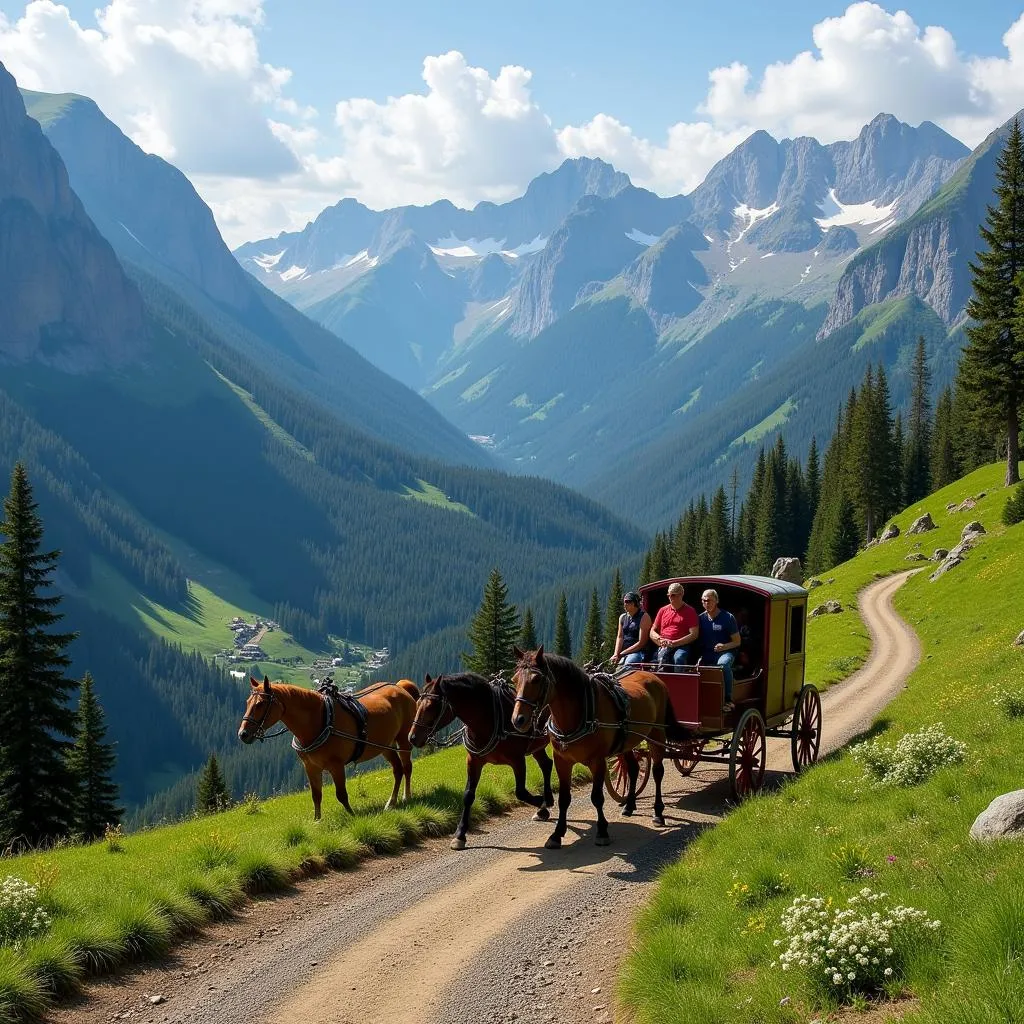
(247, 648)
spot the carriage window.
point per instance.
(796, 629)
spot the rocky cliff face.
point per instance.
(144, 206)
(64, 298)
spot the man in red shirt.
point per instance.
(675, 627)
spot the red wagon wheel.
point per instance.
(747, 755)
(616, 779)
(806, 736)
(689, 758)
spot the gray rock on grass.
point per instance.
(939, 554)
(788, 569)
(891, 531)
(951, 561)
(922, 524)
(1002, 819)
(1019, 642)
(972, 528)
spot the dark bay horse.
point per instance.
(485, 709)
(586, 726)
(329, 733)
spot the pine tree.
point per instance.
(211, 791)
(91, 762)
(613, 610)
(813, 481)
(528, 633)
(764, 549)
(943, 457)
(37, 791)
(715, 541)
(899, 448)
(493, 631)
(992, 364)
(590, 650)
(563, 635)
(917, 475)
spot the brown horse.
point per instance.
(485, 709)
(586, 727)
(329, 733)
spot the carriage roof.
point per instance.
(766, 586)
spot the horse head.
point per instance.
(532, 682)
(263, 709)
(433, 712)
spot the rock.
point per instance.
(1002, 819)
(951, 506)
(951, 561)
(939, 554)
(831, 579)
(1019, 642)
(891, 531)
(922, 524)
(966, 505)
(811, 584)
(916, 556)
(963, 547)
(788, 569)
(157, 1000)
(973, 527)
(820, 610)
(830, 607)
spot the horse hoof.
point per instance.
(627, 812)
(458, 844)
(602, 841)
(553, 844)
(659, 820)
(542, 815)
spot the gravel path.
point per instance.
(503, 931)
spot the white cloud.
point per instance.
(185, 79)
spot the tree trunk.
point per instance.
(1012, 448)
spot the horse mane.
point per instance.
(463, 680)
(567, 667)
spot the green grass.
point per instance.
(479, 388)
(542, 413)
(113, 908)
(771, 422)
(431, 495)
(701, 954)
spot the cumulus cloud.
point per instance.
(185, 79)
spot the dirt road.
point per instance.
(503, 931)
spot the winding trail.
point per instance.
(502, 931)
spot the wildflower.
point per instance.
(890, 859)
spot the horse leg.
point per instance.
(340, 787)
(659, 773)
(564, 769)
(405, 755)
(473, 770)
(397, 770)
(633, 769)
(316, 787)
(545, 762)
(522, 793)
(598, 768)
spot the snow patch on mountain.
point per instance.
(475, 248)
(636, 235)
(362, 259)
(267, 261)
(293, 274)
(835, 212)
(750, 217)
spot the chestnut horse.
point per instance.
(586, 727)
(485, 709)
(327, 733)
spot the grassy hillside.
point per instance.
(706, 944)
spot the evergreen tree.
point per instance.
(897, 459)
(493, 631)
(528, 633)
(841, 543)
(590, 650)
(943, 457)
(764, 549)
(563, 635)
(660, 564)
(715, 541)
(992, 364)
(91, 762)
(975, 442)
(211, 791)
(813, 481)
(37, 791)
(612, 612)
(917, 475)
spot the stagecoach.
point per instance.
(769, 694)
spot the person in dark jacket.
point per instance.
(633, 643)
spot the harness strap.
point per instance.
(330, 695)
(620, 699)
(587, 725)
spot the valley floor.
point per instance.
(503, 931)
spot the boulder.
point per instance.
(830, 607)
(973, 527)
(951, 561)
(963, 547)
(1002, 819)
(939, 554)
(1019, 642)
(951, 506)
(922, 524)
(966, 505)
(916, 556)
(788, 569)
(811, 584)
(820, 610)
(891, 531)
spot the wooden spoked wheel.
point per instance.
(806, 736)
(616, 779)
(747, 755)
(689, 758)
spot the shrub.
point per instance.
(215, 851)
(1013, 510)
(21, 911)
(113, 836)
(856, 950)
(915, 758)
(1010, 702)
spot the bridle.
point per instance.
(427, 695)
(541, 702)
(269, 700)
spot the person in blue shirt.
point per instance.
(633, 644)
(719, 639)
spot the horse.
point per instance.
(588, 724)
(330, 729)
(484, 708)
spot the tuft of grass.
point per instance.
(378, 833)
(21, 994)
(258, 872)
(295, 834)
(219, 894)
(56, 964)
(142, 931)
(340, 850)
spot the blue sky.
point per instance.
(259, 101)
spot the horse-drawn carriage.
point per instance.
(769, 694)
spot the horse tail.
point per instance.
(410, 688)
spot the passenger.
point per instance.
(719, 637)
(633, 644)
(675, 627)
